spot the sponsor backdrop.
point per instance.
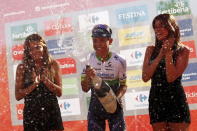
(66, 26)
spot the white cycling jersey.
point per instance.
(112, 70)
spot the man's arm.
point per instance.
(122, 78)
(121, 91)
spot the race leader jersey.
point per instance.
(112, 71)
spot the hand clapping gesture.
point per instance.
(167, 45)
(35, 77)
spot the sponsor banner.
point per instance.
(87, 21)
(60, 46)
(69, 107)
(136, 100)
(51, 6)
(70, 86)
(190, 74)
(131, 15)
(134, 79)
(134, 35)
(134, 57)
(191, 45)
(180, 7)
(67, 65)
(22, 31)
(58, 27)
(19, 108)
(47, 8)
(191, 94)
(186, 28)
(17, 52)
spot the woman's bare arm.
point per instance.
(149, 68)
(20, 90)
(173, 71)
(56, 86)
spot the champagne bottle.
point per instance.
(105, 94)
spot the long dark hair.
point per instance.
(171, 25)
(27, 59)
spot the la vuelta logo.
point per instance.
(17, 52)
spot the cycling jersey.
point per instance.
(113, 72)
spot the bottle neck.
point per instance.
(97, 81)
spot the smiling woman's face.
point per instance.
(161, 32)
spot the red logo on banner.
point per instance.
(67, 65)
(57, 27)
(191, 45)
(191, 94)
(17, 52)
(19, 108)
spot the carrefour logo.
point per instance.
(65, 105)
(136, 55)
(141, 98)
(87, 21)
(136, 100)
(93, 19)
(69, 106)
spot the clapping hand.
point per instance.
(44, 75)
(167, 45)
(35, 77)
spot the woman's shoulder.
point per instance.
(183, 48)
(150, 48)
